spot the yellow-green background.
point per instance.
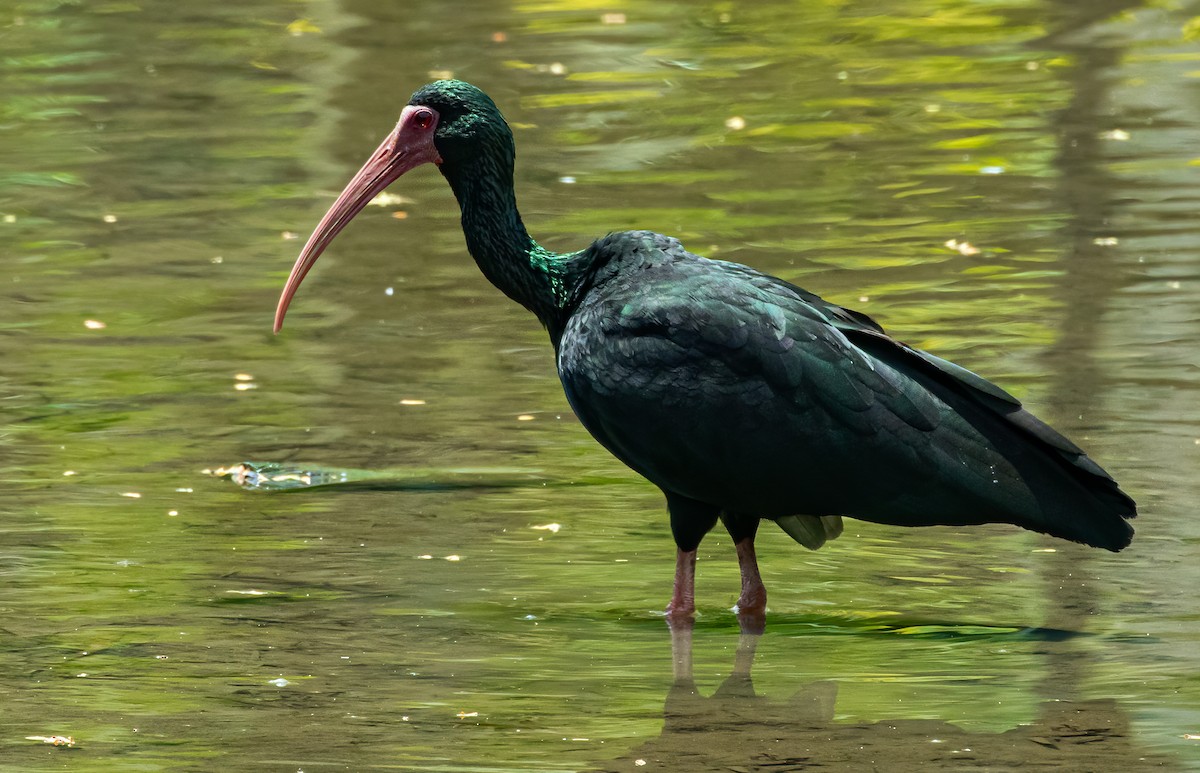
(158, 161)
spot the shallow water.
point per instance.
(1012, 185)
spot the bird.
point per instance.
(743, 397)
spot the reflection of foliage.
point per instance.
(811, 102)
(1191, 28)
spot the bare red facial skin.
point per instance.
(409, 145)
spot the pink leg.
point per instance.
(754, 593)
(751, 606)
(683, 599)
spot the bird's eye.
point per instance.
(422, 119)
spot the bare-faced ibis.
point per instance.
(741, 396)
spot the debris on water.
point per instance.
(499, 37)
(411, 401)
(94, 324)
(525, 417)
(735, 123)
(69, 473)
(110, 218)
(1119, 135)
(550, 527)
(1106, 241)
(991, 170)
(280, 682)
(131, 494)
(613, 18)
(289, 236)
(466, 714)
(276, 476)
(964, 248)
(54, 740)
(453, 558)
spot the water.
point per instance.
(1011, 184)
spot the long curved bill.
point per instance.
(406, 147)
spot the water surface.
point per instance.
(1010, 184)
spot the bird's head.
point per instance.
(469, 125)
(448, 123)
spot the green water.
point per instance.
(160, 165)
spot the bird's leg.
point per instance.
(690, 521)
(683, 597)
(752, 603)
(754, 593)
(751, 608)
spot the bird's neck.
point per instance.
(538, 279)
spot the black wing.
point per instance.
(736, 388)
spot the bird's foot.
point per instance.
(680, 621)
(681, 613)
(753, 600)
(751, 608)
(754, 596)
(752, 622)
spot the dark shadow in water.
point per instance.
(734, 729)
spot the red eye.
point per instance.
(422, 119)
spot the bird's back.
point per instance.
(737, 389)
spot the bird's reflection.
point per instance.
(736, 730)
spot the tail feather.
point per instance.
(1076, 498)
(811, 531)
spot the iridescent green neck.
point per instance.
(538, 279)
